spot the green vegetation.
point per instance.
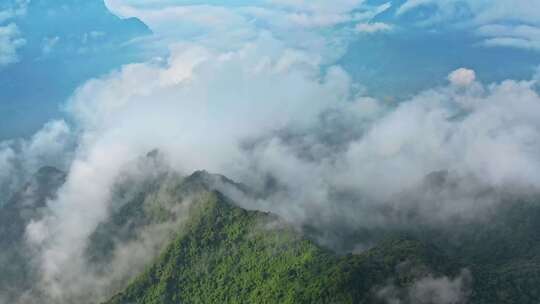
(502, 253)
(215, 252)
(225, 254)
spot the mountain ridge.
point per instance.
(296, 271)
(200, 246)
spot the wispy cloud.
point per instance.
(10, 42)
(430, 289)
(504, 23)
(518, 36)
(49, 43)
(20, 159)
(373, 27)
(12, 9)
(287, 20)
(11, 39)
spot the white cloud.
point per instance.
(20, 159)
(339, 6)
(10, 36)
(536, 76)
(430, 289)
(519, 11)
(10, 43)
(296, 21)
(266, 110)
(518, 36)
(442, 290)
(506, 23)
(326, 14)
(196, 109)
(412, 4)
(373, 27)
(512, 42)
(462, 77)
(237, 100)
(519, 31)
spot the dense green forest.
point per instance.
(213, 251)
(225, 254)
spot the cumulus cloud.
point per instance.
(462, 77)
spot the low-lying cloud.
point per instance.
(265, 113)
(53, 145)
(279, 118)
(430, 290)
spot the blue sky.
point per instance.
(392, 49)
(56, 46)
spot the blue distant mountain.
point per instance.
(67, 42)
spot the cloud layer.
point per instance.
(240, 94)
(333, 156)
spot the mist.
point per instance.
(430, 289)
(53, 145)
(334, 157)
(287, 121)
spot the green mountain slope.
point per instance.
(203, 248)
(503, 254)
(225, 254)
